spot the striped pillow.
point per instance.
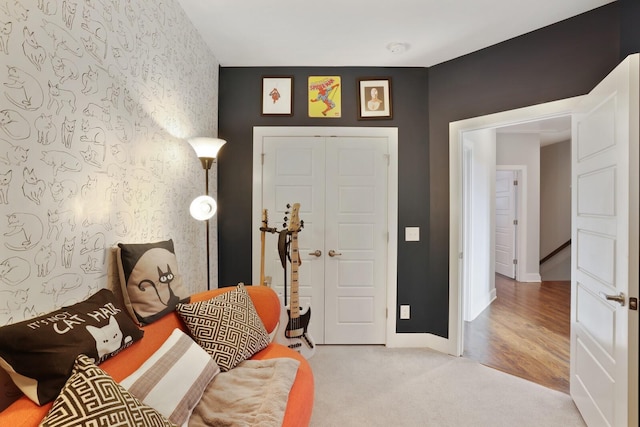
(173, 379)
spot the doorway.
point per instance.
(504, 161)
(344, 180)
(459, 135)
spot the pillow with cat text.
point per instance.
(39, 353)
(150, 281)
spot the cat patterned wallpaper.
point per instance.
(97, 98)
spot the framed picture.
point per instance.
(277, 96)
(325, 96)
(374, 98)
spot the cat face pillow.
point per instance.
(149, 278)
(39, 353)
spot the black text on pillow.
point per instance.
(39, 353)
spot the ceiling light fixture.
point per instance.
(397, 48)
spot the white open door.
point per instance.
(506, 221)
(604, 282)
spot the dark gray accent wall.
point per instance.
(560, 61)
(629, 27)
(240, 105)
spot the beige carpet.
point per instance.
(379, 386)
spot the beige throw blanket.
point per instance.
(254, 393)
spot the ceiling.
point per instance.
(550, 131)
(359, 32)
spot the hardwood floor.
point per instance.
(525, 332)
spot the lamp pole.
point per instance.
(207, 162)
(204, 207)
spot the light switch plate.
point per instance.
(405, 312)
(412, 234)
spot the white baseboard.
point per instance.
(421, 340)
(481, 306)
(531, 277)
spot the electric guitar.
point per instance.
(295, 335)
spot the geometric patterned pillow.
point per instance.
(227, 327)
(92, 398)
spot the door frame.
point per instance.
(391, 133)
(455, 341)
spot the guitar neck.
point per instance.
(294, 305)
(262, 238)
(262, 242)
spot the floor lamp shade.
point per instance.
(206, 148)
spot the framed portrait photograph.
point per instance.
(277, 96)
(374, 98)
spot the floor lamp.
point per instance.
(204, 207)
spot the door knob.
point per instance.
(333, 253)
(317, 253)
(620, 299)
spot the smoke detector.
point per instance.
(397, 48)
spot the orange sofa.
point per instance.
(25, 412)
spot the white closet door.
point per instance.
(356, 208)
(294, 172)
(341, 185)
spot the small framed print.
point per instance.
(374, 98)
(277, 96)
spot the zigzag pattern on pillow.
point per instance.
(227, 327)
(92, 397)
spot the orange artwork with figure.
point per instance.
(325, 96)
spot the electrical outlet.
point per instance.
(405, 312)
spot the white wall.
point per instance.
(555, 196)
(524, 149)
(555, 209)
(480, 288)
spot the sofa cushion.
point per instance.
(150, 280)
(91, 397)
(39, 353)
(173, 379)
(226, 326)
